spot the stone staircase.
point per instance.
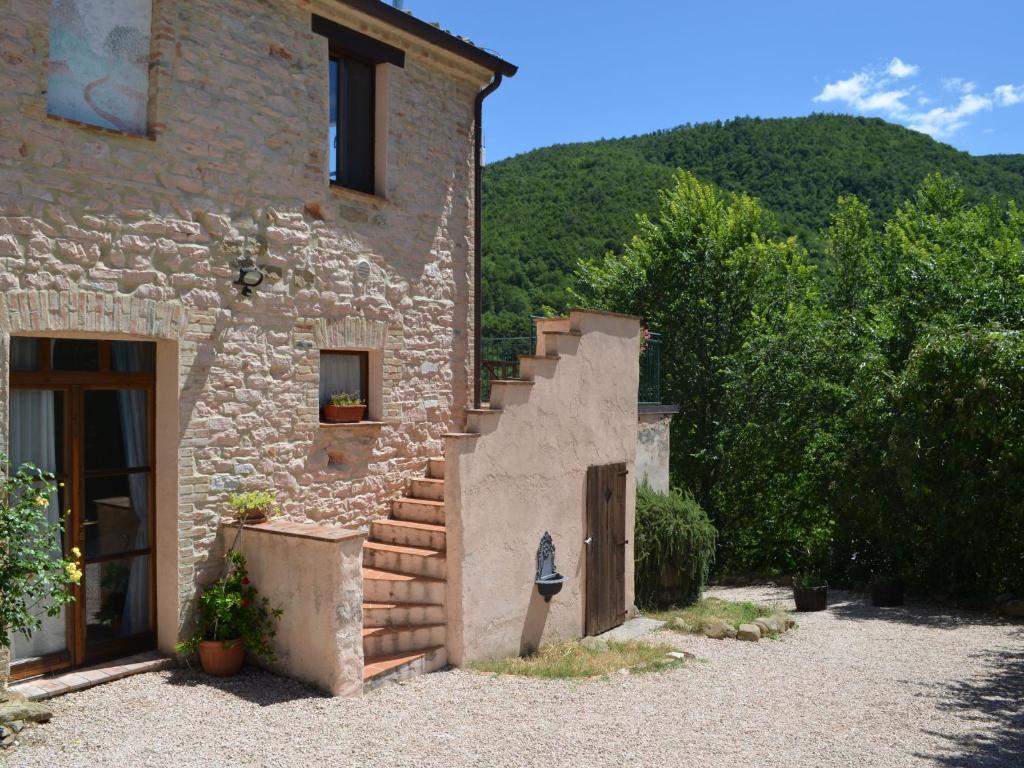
(404, 588)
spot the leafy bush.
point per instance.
(34, 579)
(674, 547)
(253, 502)
(231, 609)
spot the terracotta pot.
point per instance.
(252, 516)
(343, 414)
(221, 658)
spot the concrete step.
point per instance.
(382, 641)
(435, 468)
(402, 614)
(390, 587)
(506, 392)
(415, 561)
(532, 367)
(546, 325)
(408, 533)
(418, 510)
(481, 420)
(427, 488)
(561, 342)
(378, 670)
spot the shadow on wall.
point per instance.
(994, 705)
(533, 627)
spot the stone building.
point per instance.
(214, 215)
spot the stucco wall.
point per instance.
(313, 574)
(652, 450)
(524, 474)
(91, 221)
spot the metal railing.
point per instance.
(501, 361)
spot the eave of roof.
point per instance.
(406, 22)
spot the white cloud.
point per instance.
(900, 69)
(1008, 95)
(872, 91)
(943, 122)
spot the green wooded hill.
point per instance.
(547, 209)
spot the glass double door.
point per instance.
(93, 429)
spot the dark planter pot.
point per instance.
(252, 517)
(344, 414)
(887, 593)
(221, 658)
(810, 598)
(549, 586)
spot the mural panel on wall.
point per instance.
(99, 62)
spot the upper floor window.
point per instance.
(357, 119)
(353, 108)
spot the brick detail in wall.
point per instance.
(26, 312)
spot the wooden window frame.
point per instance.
(343, 58)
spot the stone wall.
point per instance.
(652, 447)
(526, 473)
(236, 165)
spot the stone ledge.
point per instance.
(312, 531)
(355, 425)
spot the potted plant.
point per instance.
(232, 619)
(810, 592)
(344, 409)
(253, 506)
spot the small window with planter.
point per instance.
(344, 387)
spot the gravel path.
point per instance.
(853, 686)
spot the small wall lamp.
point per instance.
(249, 276)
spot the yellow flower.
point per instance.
(76, 552)
(42, 501)
(74, 572)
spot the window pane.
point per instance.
(357, 126)
(37, 429)
(24, 354)
(133, 356)
(116, 432)
(116, 514)
(341, 373)
(76, 355)
(332, 137)
(116, 599)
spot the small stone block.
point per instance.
(749, 632)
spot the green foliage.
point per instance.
(344, 398)
(231, 609)
(35, 579)
(856, 416)
(253, 501)
(674, 547)
(547, 210)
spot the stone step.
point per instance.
(428, 488)
(435, 468)
(546, 325)
(402, 614)
(418, 510)
(414, 561)
(408, 533)
(378, 670)
(509, 392)
(481, 420)
(383, 641)
(390, 587)
(560, 342)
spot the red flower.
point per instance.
(245, 603)
(245, 580)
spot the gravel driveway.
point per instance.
(853, 686)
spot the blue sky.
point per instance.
(608, 68)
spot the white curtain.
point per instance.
(33, 439)
(132, 407)
(340, 373)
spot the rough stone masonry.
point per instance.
(116, 235)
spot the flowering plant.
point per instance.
(35, 580)
(231, 610)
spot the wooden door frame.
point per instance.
(74, 385)
(602, 612)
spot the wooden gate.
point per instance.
(606, 547)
